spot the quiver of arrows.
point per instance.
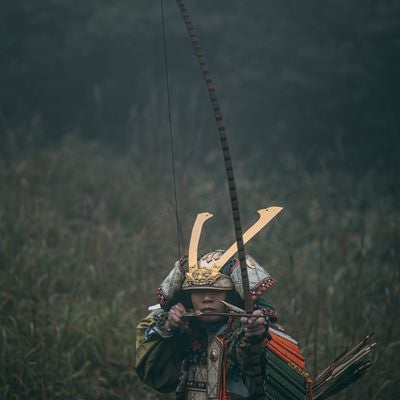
(347, 368)
(286, 378)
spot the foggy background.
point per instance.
(309, 94)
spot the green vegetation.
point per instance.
(86, 237)
(87, 229)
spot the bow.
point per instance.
(225, 151)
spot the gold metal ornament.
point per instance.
(205, 273)
(195, 238)
(265, 216)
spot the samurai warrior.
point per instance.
(200, 342)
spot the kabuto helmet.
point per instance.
(218, 269)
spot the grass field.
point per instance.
(86, 237)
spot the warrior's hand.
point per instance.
(175, 321)
(255, 327)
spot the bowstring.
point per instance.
(171, 133)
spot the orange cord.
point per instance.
(286, 354)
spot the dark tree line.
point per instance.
(309, 79)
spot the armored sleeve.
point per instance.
(158, 359)
(277, 364)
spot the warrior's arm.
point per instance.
(282, 364)
(158, 356)
(249, 341)
(241, 351)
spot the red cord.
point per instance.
(309, 381)
(222, 391)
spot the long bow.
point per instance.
(225, 151)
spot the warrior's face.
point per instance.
(207, 301)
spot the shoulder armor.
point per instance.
(286, 348)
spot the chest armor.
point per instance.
(204, 371)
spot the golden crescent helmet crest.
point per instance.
(217, 269)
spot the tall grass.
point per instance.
(86, 237)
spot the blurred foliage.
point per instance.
(86, 237)
(320, 74)
(87, 227)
